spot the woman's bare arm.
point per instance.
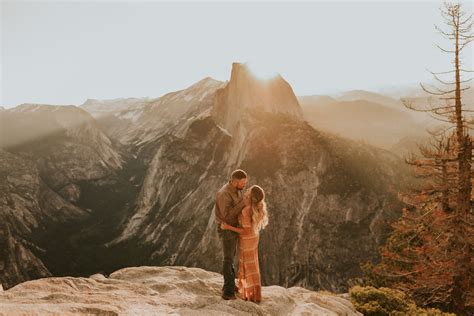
(235, 229)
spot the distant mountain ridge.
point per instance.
(381, 125)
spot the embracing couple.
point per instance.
(240, 216)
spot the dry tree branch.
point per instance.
(445, 50)
(441, 92)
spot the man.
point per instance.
(229, 204)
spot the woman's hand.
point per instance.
(224, 226)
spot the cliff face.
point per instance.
(17, 262)
(244, 92)
(330, 200)
(160, 290)
(46, 151)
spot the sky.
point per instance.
(66, 52)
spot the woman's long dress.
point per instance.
(248, 280)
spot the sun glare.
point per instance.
(261, 71)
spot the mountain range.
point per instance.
(110, 184)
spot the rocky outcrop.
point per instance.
(160, 290)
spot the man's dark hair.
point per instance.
(239, 174)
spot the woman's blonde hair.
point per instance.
(258, 207)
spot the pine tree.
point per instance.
(429, 253)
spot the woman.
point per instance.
(252, 219)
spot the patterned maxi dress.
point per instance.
(248, 275)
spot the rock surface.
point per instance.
(157, 291)
(244, 91)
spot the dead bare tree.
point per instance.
(449, 161)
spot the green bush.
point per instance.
(383, 301)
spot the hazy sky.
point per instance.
(64, 53)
